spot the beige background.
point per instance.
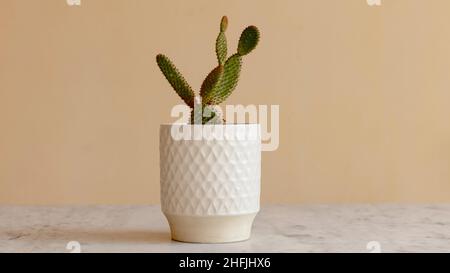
(364, 95)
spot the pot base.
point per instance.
(210, 229)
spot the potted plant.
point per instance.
(210, 170)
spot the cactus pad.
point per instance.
(176, 80)
(228, 82)
(248, 41)
(221, 42)
(221, 48)
(210, 83)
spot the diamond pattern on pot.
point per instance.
(209, 177)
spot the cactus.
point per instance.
(219, 83)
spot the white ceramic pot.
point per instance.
(210, 180)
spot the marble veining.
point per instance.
(277, 228)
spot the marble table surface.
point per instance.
(277, 228)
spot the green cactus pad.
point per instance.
(221, 48)
(228, 81)
(176, 80)
(210, 82)
(248, 41)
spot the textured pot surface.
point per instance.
(210, 180)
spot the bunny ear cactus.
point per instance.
(219, 83)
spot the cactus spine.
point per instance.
(219, 83)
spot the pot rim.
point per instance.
(219, 132)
